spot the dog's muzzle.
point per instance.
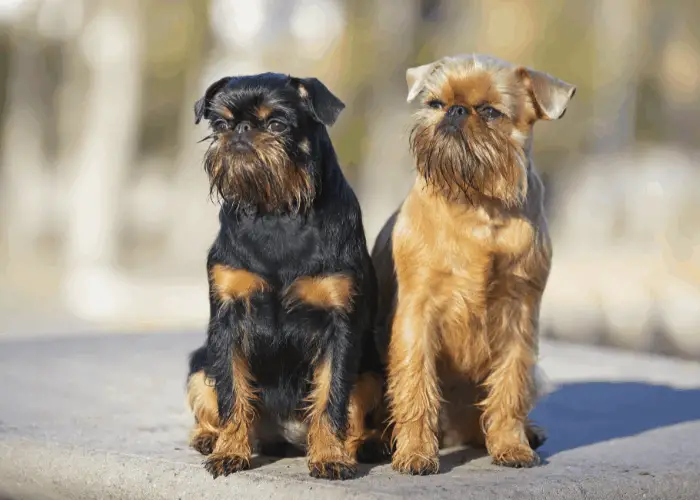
(454, 119)
(241, 139)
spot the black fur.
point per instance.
(281, 244)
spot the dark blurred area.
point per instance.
(105, 213)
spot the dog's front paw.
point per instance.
(332, 470)
(519, 457)
(416, 465)
(219, 464)
(204, 443)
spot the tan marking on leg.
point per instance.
(233, 448)
(327, 455)
(366, 396)
(201, 398)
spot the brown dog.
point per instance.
(463, 263)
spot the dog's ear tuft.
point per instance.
(324, 106)
(415, 79)
(550, 95)
(201, 107)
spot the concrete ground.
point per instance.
(103, 417)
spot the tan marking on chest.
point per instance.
(235, 284)
(326, 292)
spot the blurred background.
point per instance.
(104, 205)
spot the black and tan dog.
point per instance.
(289, 356)
(464, 262)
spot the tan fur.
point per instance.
(263, 112)
(265, 176)
(326, 292)
(471, 261)
(324, 446)
(224, 112)
(235, 284)
(366, 397)
(234, 442)
(201, 398)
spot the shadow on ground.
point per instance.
(585, 413)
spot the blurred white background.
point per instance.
(106, 219)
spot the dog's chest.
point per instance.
(455, 252)
(461, 239)
(278, 242)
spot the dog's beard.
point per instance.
(463, 166)
(264, 179)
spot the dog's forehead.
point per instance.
(472, 80)
(271, 89)
(262, 82)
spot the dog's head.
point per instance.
(266, 133)
(472, 134)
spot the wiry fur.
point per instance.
(289, 358)
(266, 178)
(463, 264)
(469, 164)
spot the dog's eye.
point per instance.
(435, 104)
(276, 126)
(488, 113)
(220, 125)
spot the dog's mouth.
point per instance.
(452, 125)
(461, 165)
(239, 145)
(450, 129)
(262, 179)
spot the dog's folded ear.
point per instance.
(201, 107)
(550, 95)
(415, 79)
(324, 106)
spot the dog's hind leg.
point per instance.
(367, 444)
(201, 397)
(233, 449)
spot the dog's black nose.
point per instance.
(243, 127)
(457, 111)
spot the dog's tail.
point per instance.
(543, 385)
(198, 360)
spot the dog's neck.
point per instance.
(473, 198)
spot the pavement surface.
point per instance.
(103, 417)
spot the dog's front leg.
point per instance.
(513, 318)
(333, 379)
(413, 390)
(234, 390)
